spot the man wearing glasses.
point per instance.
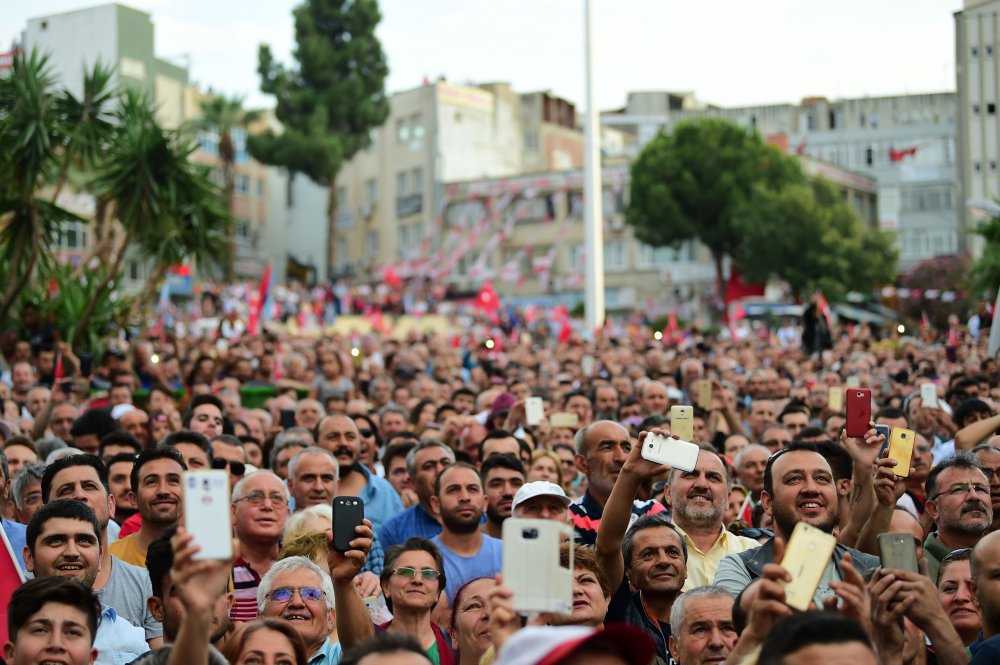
(260, 508)
(958, 500)
(988, 457)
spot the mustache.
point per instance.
(973, 506)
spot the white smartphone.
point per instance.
(587, 365)
(531, 566)
(534, 411)
(207, 513)
(928, 395)
(675, 453)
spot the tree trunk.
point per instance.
(331, 229)
(17, 285)
(720, 283)
(229, 188)
(100, 292)
(148, 291)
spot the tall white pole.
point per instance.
(592, 192)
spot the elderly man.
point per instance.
(701, 626)
(653, 399)
(750, 463)
(958, 500)
(26, 491)
(601, 450)
(312, 477)
(286, 446)
(308, 413)
(541, 500)
(260, 508)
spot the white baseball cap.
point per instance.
(538, 488)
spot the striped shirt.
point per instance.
(585, 516)
(245, 583)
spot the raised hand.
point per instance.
(198, 584)
(345, 566)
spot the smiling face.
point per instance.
(804, 491)
(65, 547)
(56, 633)
(657, 564)
(472, 631)
(159, 491)
(311, 619)
(699, 496)
(413, 593)
(267, 647)
(266, 520)
(957, 593)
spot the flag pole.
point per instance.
(592, 192)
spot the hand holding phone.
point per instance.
(901, 449)
(532, 569)
(928, 395)
(859, 411)
(808, 553)
(674, 453)
(534, 411)
(207, 513)
(898, 550)
(348, 514)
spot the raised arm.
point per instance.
(618, 510)
(863, 453)
(354, 625)
(969, 437)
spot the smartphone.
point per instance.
(534, 411)
(348, 511)
(901, 449)
(885, 431)
(587, 364)
(287, 419)
(564, 419)
(928, 395)
(86, 363)
(807, 555)
(207, 513)
(853, 381)
(682, 422)
(835, 399)
(531, 566)
(705, 395)
(675, 453)
(859, 411)
(899, 551)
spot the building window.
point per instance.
(260, 187)
(239, 139)
(402, 131)
(134, 270)
(869, 155)
(405, 247)
(416, 127)
(575, 256)
(418, 180)
(993, 166)
(975, 51)
(614, 255)
(402, 184)
(341, 198)
(371, 191)
(991, 108)
(243, 229)
(242, 184)
(989, 50)
(977, 167)
(372, 245)
(73, 236)
(975, 109)
(530, 142)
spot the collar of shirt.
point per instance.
(328, 653)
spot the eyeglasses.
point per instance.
(235, 468)
(365, 433)
(257, 499)
(959, 489)
(428, 574)
(283, 594)
(754, 532)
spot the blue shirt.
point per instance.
(985, 651)
(459, 570)
(329, 654)
(17, 538)
(381, 500)
(414, 521)
(117, 641)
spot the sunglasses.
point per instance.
(428, 574)
(365, 433)
(235, 468)
(283, 594)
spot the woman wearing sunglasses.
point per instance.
(412, 580)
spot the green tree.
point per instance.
(807, 236)
(696, 182)
(223, 115)
(331, 101)
(985, 275)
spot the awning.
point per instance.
(858, 314)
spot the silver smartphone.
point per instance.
(207, 513)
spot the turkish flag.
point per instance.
(737, 287)
(391, 278)
(11, 578)
(487, 299)
(898, 155)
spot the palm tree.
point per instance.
(223, 114)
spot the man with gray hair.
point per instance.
(424, 463)
(298, 591)
(260, 508)
(26, 491)
(286, 445)
(308, 413)
(392, 418)
(750, 463)
(312, 477)
(701, 626)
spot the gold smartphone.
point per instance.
(835, 399)
(705, 395)
(901, 449)
(682, 422)
(564, 419)
(807, 555)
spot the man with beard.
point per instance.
(119, 474)
(988, 458)
(118, 584)
(502, 476)
(260, 508)
(156, 484)
(958, 500)
(468, 553)
(698, 500)
(424, 463)
(165, 600)
(601, 449)
(647, 563)
(798, 487)
(339, 435)
(985, 564)
(63, 540)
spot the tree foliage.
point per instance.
(985, 275)
(720, 183)
(941, 273)
(329, 103)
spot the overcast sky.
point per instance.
(728, 52)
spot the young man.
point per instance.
(502, 476)
(156, 484)
(424, 463)
(52, 619)
(64, 541)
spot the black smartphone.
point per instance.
(884, 431)
(287, 419)
(348, 512)
(86, 363)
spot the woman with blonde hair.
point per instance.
(545, 465)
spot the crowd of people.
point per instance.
(433, 433)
